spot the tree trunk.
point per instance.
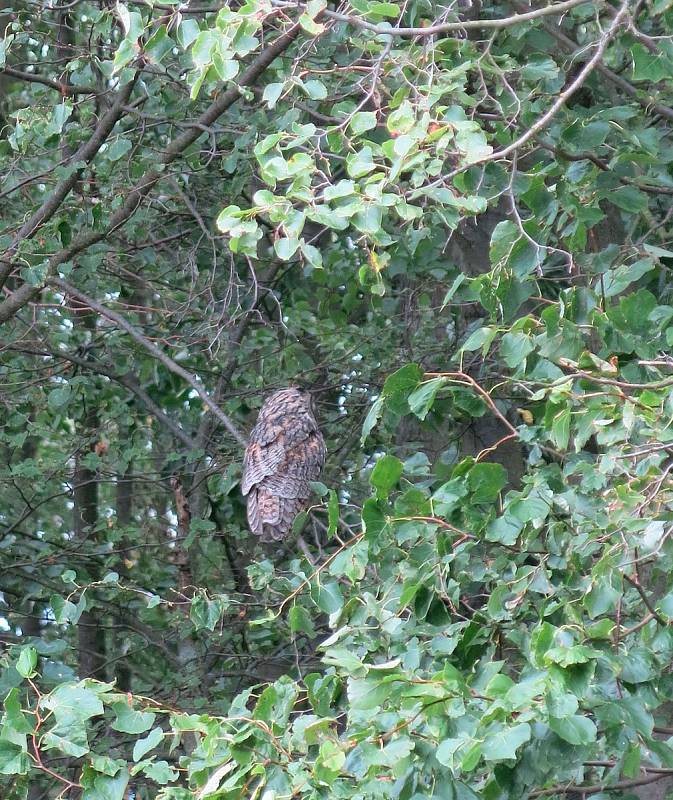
(91, 637)
(124, 518)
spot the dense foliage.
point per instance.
(452, 222)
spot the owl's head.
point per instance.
(294, 399)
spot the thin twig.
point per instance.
(165, 359)
(431, 30)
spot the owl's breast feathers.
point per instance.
(286, 451)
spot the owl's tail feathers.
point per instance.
(270, 517)
(254, 518)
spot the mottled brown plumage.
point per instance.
(286, 451)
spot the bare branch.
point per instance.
(556, 106)
(131, 382)
(145, 343)
(445, 27)
(135, 196)
(84, 154)
(647, 102)
(62, 88)
(571, 788)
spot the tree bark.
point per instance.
(91, 637)
(124, 518)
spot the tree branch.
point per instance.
(85, 154)
(596, 788)
(62, 88)
(556, 106)
(648, 605)
(647, 102)
(445, 27)
(25, 293)
(131, 382)
(162, 357)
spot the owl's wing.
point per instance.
(288, 508)
(306, 458)
(265, 510)
(259, 462)
(254, 519)
(287, 485)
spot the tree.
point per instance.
(451, 222)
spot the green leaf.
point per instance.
(629, 199)
(400, 385)
(312, 255)
(402, 120)
(327, 596)
(369, 219)
(129, 720)
(104, 787)
(422, 398)
(363, 121)
(71, 703)
(360, 163)
(514, 348)
(368, 693)
(125, 53)
(504, 237)
(315, 89)
(300, 620)
(504, 743)
(387, 471)
(560, 429)
(59, 398)
(372, 418)
(486, 481)
(576, 729)
(148, 743)
(457, 283)
(332, 512)
(13, 759)
(285, 248)
(203, 47)
(331, 758)
(159, 45)
(309, 24)
(160, 772)
(27, 662)
(539, 67)
(650, 66)
(617, 280)
(384, 9)
(567, 656)
(15, 721)
(480, 339)
(65, 611)
(206, 612)
(505, 529)
(70, 739)
(272, 93)
(188, 30)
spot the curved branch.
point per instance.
(130, 382)
(62, 88)
(445, 27)
(135, 196)
(162, 357)
(85, 154)
(571, 788)
(647, 102)
(557, 105)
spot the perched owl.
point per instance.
(286, 451)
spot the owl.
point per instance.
(286, 451)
